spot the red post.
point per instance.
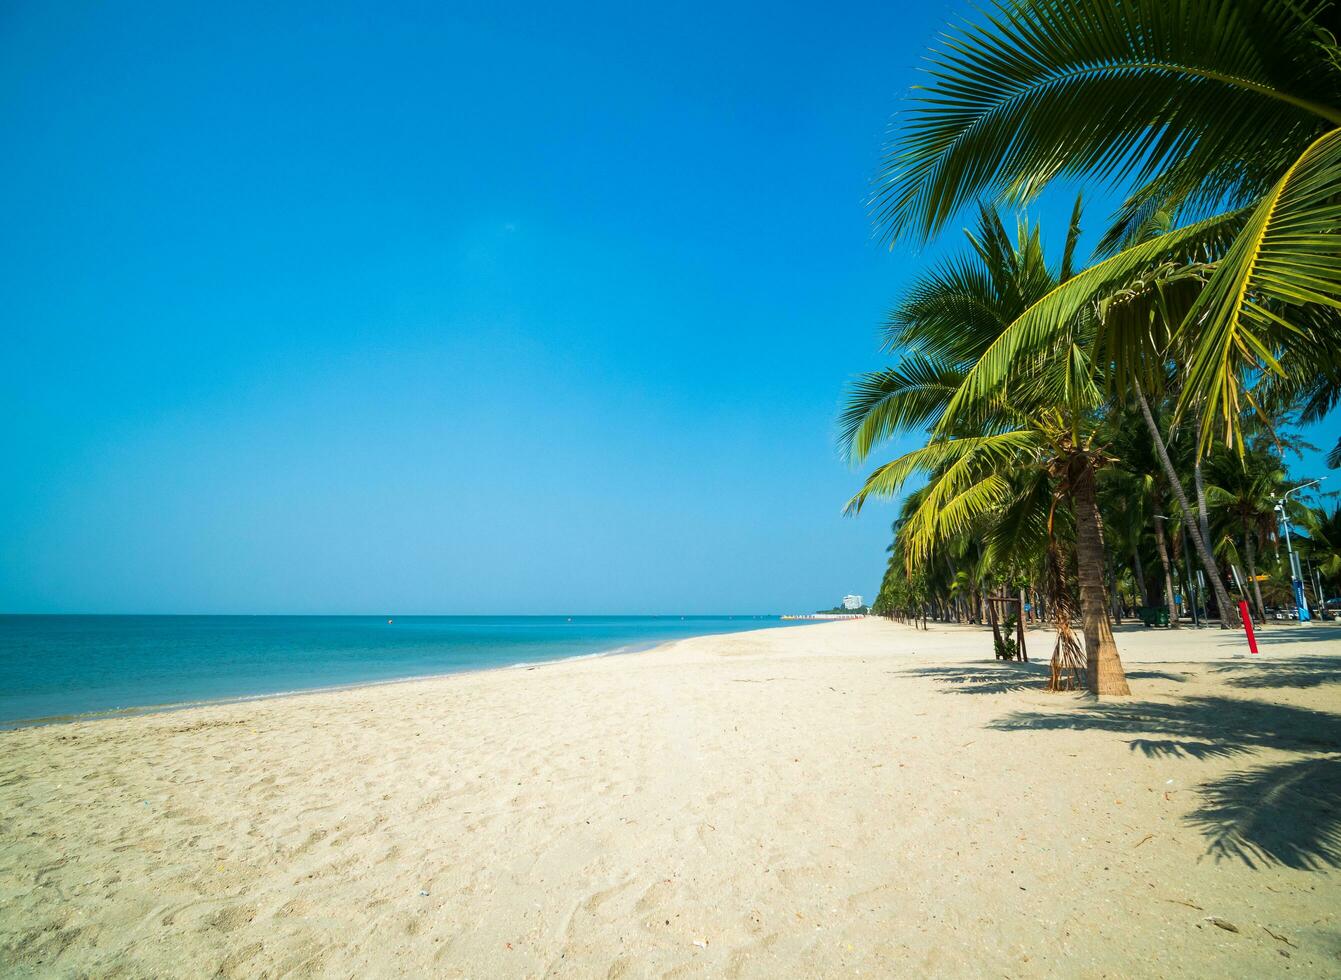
(1248, 625)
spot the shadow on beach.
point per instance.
(1272, 634)
(989, 678)
(1009, 677)
(1304, 672)
(1286, 813)
(1268, 634)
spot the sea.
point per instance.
(55, 668)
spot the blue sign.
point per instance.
(1028, 607)
(1299, 602)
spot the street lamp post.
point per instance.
(1296, 576)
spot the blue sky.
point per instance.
(426, 308)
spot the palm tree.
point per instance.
(1242, 489)
(1141, 482)
(1318, 394)
(949, 316)
(1004, 461)
(1162, 549)
(1227, 110)
(1125, 502)
(1324, 533)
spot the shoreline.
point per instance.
(135, 711)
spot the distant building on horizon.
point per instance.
(852, 602)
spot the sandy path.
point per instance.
(844, 798)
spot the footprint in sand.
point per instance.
(231, 918)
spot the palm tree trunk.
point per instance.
(1115, 600)
(1162, 547)
(1229, 615)
(1203, 521)
(996, 629)
(1139, 569)
(1251, 554)
(1103, 666)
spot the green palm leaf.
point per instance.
(1049, 325)
(1286, 260)
(958, 461)
(882, 403)
(1201, 100)
(1021, 529)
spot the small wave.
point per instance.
(530, 664)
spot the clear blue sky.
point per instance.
(438, 308)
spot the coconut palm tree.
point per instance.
(1142, 481)
(1324, 533)
(1243, 488)
(1316, 396)
(1226, 111)
(1007, 482)
(1004, 461)
(945, 321)
(1125, 502)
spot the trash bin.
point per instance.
(1155, 615)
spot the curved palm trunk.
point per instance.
(1229, 615)
(1103, 666)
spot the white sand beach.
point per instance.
(854, 798)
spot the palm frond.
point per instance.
(1049, 322)
(1020, 532)
(1286, 260)
(1072, 240)
(957, 460)
(948, 314)
(904, 397)
(1218, 94)
(952, 508)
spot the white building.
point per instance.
(852, 602)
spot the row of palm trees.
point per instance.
(1075, 414)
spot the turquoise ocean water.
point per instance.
(58, 666)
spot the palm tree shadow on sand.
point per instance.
(1297, 672)
(1286, 813)
(1009, 677)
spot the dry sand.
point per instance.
(847, 798)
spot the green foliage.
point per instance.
(1215, 297)
(1200, 101)
(1208, 105)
